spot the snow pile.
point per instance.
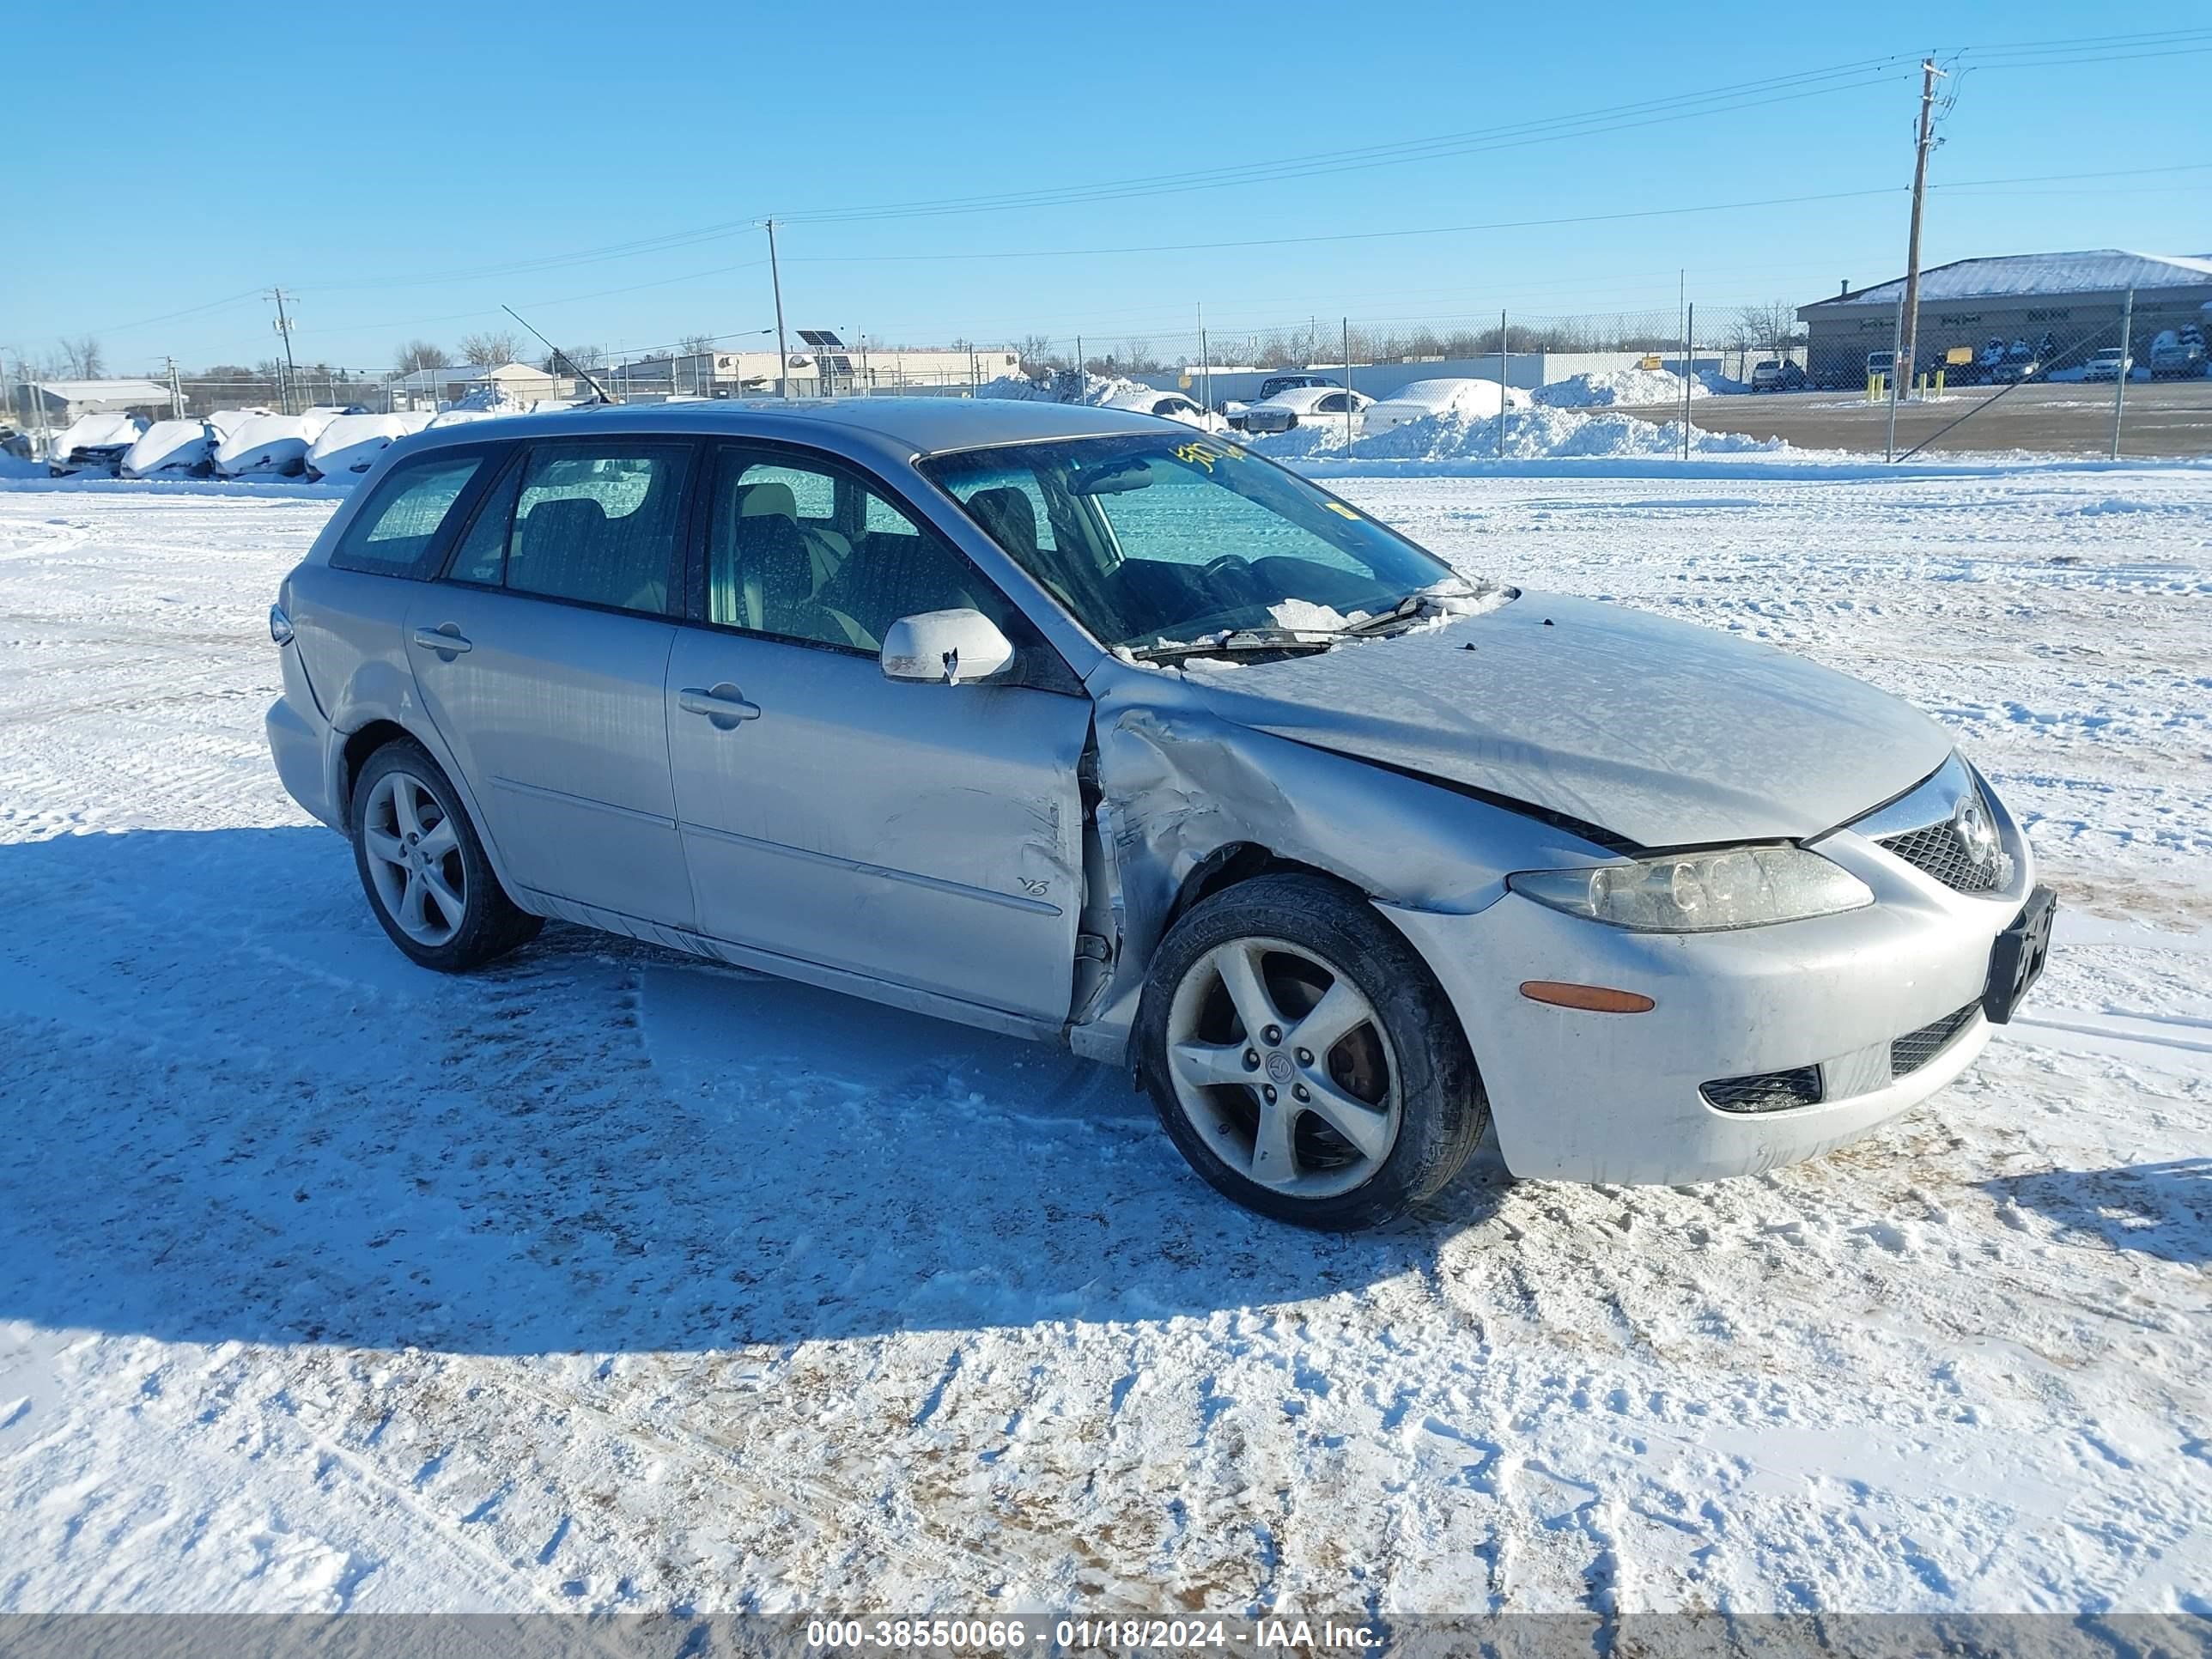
(1059, 388)
(1531, 434)
(1630, 385)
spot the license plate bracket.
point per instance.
(2017, 959)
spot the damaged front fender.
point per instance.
(1179, 785)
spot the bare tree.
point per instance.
(696, 345)
(1036, 355)
(418, 353)
(566, 359)
(82, 358)
(1770, 327)
(491, 350)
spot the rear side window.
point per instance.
(597, 525)
(391, 534)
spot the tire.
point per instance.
(423, 867)
(1405, 1061)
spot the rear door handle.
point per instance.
(723, 704)
(446, 640)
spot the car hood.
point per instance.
(1665, 733)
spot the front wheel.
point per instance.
(423, 868)
(1302, 1057)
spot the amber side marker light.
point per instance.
(1595, 998)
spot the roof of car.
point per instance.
(926, 424)
(1302, 397)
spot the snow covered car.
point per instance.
(1313, 403)
(93, 443)
(171, 449)
(1465, 399)
(1066, 726)
(349, 445)
(2177, 353)
(1168, 405)
(268, 446)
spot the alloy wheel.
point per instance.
(1281, 1065)
(414, 856)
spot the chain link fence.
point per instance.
(2109, 375)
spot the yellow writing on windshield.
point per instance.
(1341, 511)
(1197, 455)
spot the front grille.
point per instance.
(1941, 851)
(1764, 1092)
(1909, 1053)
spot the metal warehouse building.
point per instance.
(2065, 305)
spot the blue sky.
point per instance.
(405, 179)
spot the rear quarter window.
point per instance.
(396, 528)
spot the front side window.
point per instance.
(1158, 539)
(838, 577)
(391, 534)
(589, 522)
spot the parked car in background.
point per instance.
(1233, 408)
(93, 443)
(171, 449)
(2108, 365)
(1778, 375)
(1168, 405)
(918, 699)
(269, 446)
(2177, 353)
(1309, 403)
(1881, 362)
(349, 445)
(1466, 399)
(2019, 363)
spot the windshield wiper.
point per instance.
(1239, 642)
(1408, 609)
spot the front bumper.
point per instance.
(1584, 1096)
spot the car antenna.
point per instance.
(585, 373)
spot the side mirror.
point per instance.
(944, 647)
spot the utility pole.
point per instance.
(782, 355)
(2127, 361)
(284, 328)
(176, 392)
(1903, 367)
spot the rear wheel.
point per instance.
(1302, 1059)
(423, 867)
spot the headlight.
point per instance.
(1700, 892)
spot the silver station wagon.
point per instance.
(1078, 724)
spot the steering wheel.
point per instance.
(1218, 566)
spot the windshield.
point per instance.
(1152, 540)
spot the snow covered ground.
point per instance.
(610, 1281)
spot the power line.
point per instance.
(1443, 230)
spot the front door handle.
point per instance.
(446, 640)
(723, 704)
